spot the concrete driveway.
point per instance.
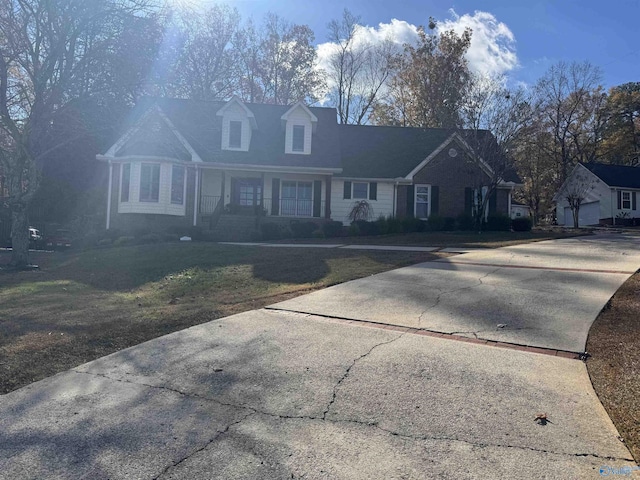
(275, 394)
(543, 294)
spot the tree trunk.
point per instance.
(19, 236)
(576, 216)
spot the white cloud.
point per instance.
(493, 45)
(492, 49)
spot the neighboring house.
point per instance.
(519, 210)
(182, 163)
(610, 195)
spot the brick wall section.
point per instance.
(452, 175)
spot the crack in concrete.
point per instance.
(218, 434)
(346, 373)
(455, 290)
(255, 411)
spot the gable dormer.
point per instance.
(237, 124)
(299, 124)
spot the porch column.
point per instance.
(109, 195)
(327, 199)
(195, 197)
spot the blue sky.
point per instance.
(543, 32)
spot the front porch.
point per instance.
(295, 196)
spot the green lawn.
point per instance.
(81, 306)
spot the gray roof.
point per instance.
(360, 151)
(620, 176)
(198, 123)
(393, 152)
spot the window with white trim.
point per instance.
(626, 200)
(177, 185)
(149, 182)
(422, 195)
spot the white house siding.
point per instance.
(341, 207)
(235, 112)
(298, 117)
(163, 206)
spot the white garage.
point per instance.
(589, 214)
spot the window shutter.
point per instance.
(373, 191)
(347, 191)
(619, 200)
(317, 197)
(468, 200)
(275, 196)
(410, 200)
(633, 200)
(435, 200)
(493, 201)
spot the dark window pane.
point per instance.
(235, 134)
(126, 180)
(360, 190)
(298, 138)
(149, 183)
(177, 185)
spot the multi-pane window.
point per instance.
(422, 201)
(626, 200)
(149, 182)
(235, 134)
(298, 138)
(360, 190)
(177, 185)
(297, 199)
(125, 182)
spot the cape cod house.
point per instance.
(182, 163)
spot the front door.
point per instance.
(246, 192)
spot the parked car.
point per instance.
(60, 239)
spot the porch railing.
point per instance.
(208, 204)
(288, 207)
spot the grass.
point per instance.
(614, 367)
(450, 239)
(81, 306)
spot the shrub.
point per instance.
(449, 224)
(360, 210)
(170, 237)
(435, 223)
(498, 223)
(303, 229)
(353, 230)
(150, 238)
(124, 240)
(382, 225)
(367, 228)
(332, 229)
(104, 242)
(271, 231)
(465, 222)
(412, 224)
(394, 225)
(196, 233)
(522, 224)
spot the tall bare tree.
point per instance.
(358, 70)
(46, 48)
(570, 96)
(621, 142)
(495, 119)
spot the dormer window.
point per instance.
(235, 134)
(298, 138)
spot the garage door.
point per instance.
(589, 214)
